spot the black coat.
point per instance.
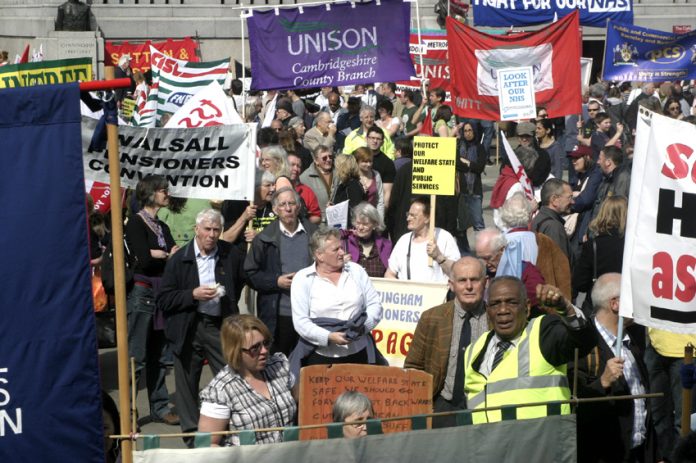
(263, 267)
(181, 277)
(605, 428)
(610, 250)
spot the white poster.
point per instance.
(206, 163)
(516, 93)
(659, 281)
(403, 302)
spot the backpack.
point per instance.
(107, 267)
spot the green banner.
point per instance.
(46, 72)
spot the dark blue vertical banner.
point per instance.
(50, 403)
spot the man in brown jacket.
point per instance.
(444, 331)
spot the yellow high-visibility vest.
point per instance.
(523, 376)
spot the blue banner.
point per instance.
(330, 45)
(648, 55)
(506, 13)
(50, 400)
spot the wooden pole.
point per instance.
(431, 228)
(686, 394)
(119, 283)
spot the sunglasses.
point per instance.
(255, 350)
(674, 108)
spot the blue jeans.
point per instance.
(666, 411)
(146, 346)
(475, 203)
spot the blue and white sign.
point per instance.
(506, 13)
(516, 93)
(648, 55)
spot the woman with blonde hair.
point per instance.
(349, 187)
(608, 230)
(274, 159)
(254, 390)
(370, 179)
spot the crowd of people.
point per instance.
(539, 284)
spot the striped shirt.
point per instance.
(230, 396)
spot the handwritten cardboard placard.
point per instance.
(393, 392)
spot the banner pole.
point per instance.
(431, 227)
(604, 54)
(686, 394)
(420, 56)
(119, 283)
(497, 144)
(244, 93)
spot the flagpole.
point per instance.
(604, 53)
(120, 284)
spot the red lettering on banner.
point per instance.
(378, 335)
(391, 343)
(405, 344)
(677, 154)
(663, 280)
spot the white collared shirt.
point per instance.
(206, 277)
(288, 233)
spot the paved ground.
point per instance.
(109, 367)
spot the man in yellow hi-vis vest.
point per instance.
(520, 362)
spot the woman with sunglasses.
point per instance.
(255, 389)
(673, 109)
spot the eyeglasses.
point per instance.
(255, 350)
(326, 158)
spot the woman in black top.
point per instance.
(349, 187)
(150, 244)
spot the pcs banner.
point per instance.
(506, 13)
(330, 45)
(648, 55)
(46, 72)
(206, 163)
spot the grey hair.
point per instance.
(528, 157)
(605, 288)
(369, 212)
(277, 193)
(552, 187)
(322, 114)
(319, 238)
(516, 211)
(497, 240)
(264, 176)
(210, 215)
(597, 90)
(367, 109)
(349, 403)
(280, 156)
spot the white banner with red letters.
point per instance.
(658, 287)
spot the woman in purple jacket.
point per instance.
(364, 244)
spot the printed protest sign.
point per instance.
(516, 93)
(433, 165)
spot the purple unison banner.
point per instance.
(329, 45)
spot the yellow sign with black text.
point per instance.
(434, 165)
(46, 72)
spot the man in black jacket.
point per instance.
(280, 250)
(200, 286)
(618, 430)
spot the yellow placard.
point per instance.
(433, 165)
(46, 72)
(127, 107)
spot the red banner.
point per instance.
(101, 194)
(184, 49)
(552, 52)
(430, 61)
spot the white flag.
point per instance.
(206, 108)
(518, 169)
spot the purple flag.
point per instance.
(330, 45)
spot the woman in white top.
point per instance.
(409, 258)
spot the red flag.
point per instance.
(25, 55)
(553, 53)
(427, 127)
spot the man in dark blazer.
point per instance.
(621, 430)
(441, 335)
(200, 286)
